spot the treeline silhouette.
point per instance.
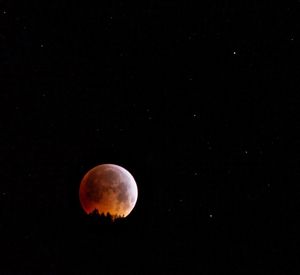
(105, 218)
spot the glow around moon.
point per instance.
(109, 188)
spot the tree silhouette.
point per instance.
(105, 218)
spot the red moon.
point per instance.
(108, 188)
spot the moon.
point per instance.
(108, 188)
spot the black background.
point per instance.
(199, 101)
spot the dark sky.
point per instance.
(199, 101)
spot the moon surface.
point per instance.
(108, 188)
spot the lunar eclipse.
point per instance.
(109, 189)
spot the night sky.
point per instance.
(199, 101)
